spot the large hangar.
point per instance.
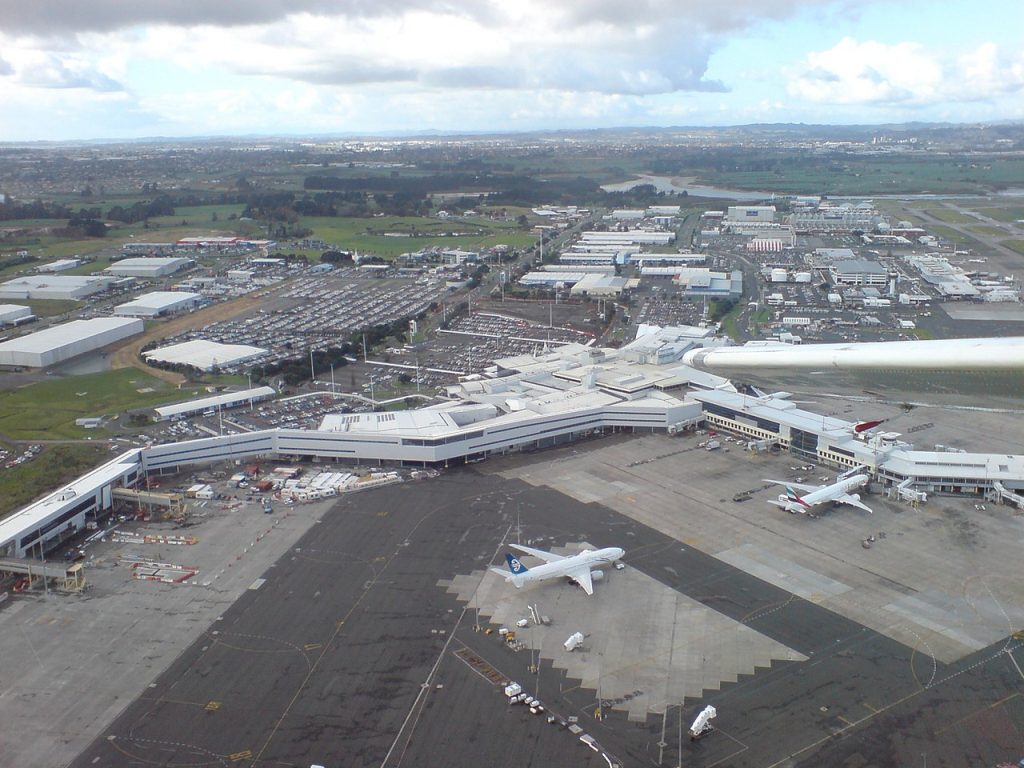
(159, 303)
(151, 267)
(205, 355)
(59, 287)
(63, 342)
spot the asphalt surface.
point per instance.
(351, 654)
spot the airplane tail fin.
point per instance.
(794, 497)
(516, 567)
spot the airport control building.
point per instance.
(531, 402)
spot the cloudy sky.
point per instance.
(81, 69)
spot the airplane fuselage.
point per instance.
(592, 559)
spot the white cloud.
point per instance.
(905, 74)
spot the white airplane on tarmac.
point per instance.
(575, 567)
(838, 493)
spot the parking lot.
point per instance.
(320, 311)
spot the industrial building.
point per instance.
(204, 405)
(552, 279)
(204, 355)
(671, 259)
(64, 342)
(149, 267)
(538, 401)
(15, 314)
(58, 287)
(158, 303)
(600, 285)
(700, 281)
(60, 265)
(589, 259)
(859, 272)
(631, 237)
(748, 213)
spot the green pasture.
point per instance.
(53, 307)
(1009, 214)
(870, 176)
(950, 216)
(367, 235)
(983, 229)
(1015, 245)
(48, 409)
(52, 467)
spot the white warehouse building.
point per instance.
(64, 342)
(204, 355)
(59, 287)
(205, 404)
(159, 303)
(151, 267)
(13, 314)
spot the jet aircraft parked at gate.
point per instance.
(815, 495)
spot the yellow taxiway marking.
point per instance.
(312, 646)
(873, 709)
(843, 719)
(243, 755)
(212, 706)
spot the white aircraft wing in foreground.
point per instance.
(579, 568)
(815, 495)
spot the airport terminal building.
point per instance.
(531, 402)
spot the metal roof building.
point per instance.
(541, 401)
(63, 342)
(158, 303)
(11, 314)
(60, 287)
(202, 404)
(859, 272)
(151, 267)
(205, 355)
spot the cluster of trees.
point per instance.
(294, 370)
(12, 209)
(85, 222)
(719, 308)
(141, 211)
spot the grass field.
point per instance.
(948, 233)
(1015, 245)
(390, 236)
(869, 176)
(950, 216)
(49, 409)
(1010, 213)
(54, 466)
(983, 229)
(53, 307)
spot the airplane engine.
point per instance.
(855, 496)
(596, 575)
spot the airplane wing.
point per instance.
(506, 575)
(798, 486)
(547, 557)
(847, 499)
(581, 576)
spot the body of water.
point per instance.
(678, 185)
